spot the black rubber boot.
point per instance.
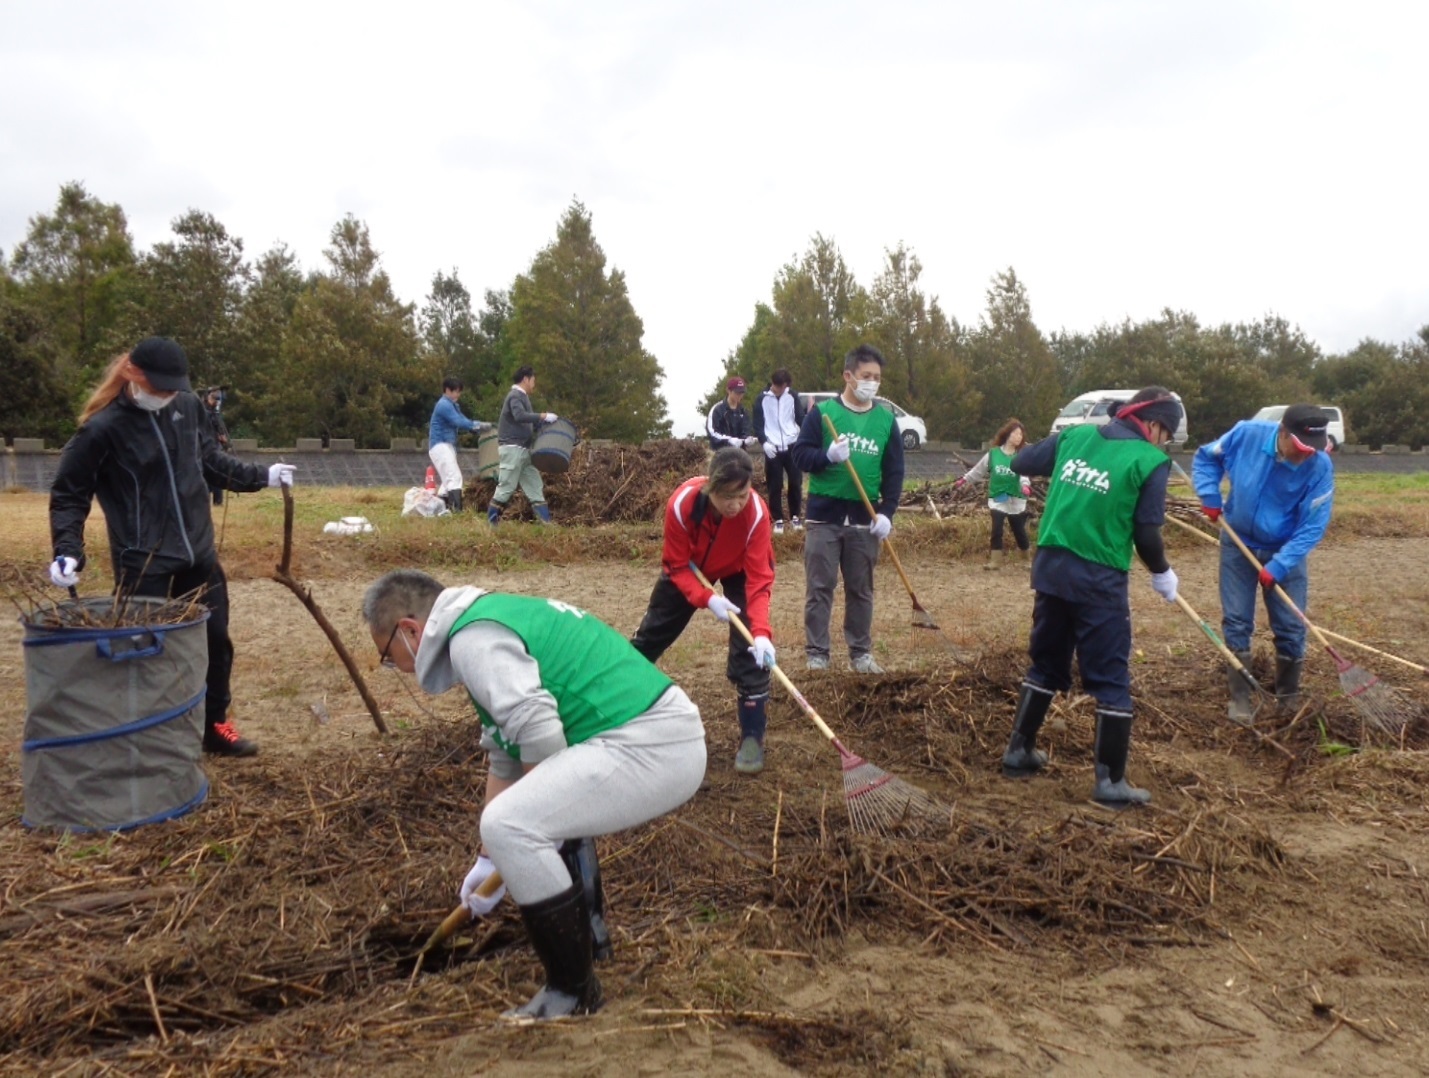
(1022, 757)
(1242, 706)
(1112, 747)
(559, 928)
(1287, 682)
(453, 500)
(580, 857)
(753, 721)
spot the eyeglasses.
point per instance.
(386, 659)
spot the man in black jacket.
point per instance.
(728, 422)
(146, 450)
(778, 415)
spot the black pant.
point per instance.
(1018, 521)
(668, 614)
(1099, 636)
(775, 470)
(220, 647)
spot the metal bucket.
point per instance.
(488, 454)
(551, 451)
(113, 721)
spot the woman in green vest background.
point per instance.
(1006, 490)
(1107, 496)
(584, 737)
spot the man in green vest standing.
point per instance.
(1107, 496)
(571, 714)
(838, 534)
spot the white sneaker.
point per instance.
(864, 664)
(817, 662)
(798, 525)
(778, 527)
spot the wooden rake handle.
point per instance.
(1320, 629)
(868, 505)
(1214, 637)
(775, 670)
(460, 916)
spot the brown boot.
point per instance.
(994, 560)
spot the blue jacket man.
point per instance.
(447, 424)
(1282, 489)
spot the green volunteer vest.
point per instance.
(598, 680)
(1001, 478)
(868, 433)
(1093, 492)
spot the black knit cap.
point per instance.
(163, 363)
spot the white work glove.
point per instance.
(763, 652)
(751, 442)
(478, 875)
(280, 474)
(770, 451)
(549, 417)
(721, 607)
(1164, 584)
(881, 527)
(64, 571)
(838, 450)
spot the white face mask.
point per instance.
(150, 402)
(865, 391)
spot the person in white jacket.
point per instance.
(778, 416)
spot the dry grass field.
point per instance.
(1268, 914)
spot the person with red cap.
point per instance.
(146, 451)
(720, 525)
(1282, 489)
(728, 423)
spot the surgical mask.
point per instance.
(865, 391)
(150, 402)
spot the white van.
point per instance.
(1334, 429)
(1092, 408)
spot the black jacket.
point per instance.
(727, 426)
(151, 472)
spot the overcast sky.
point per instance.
(1228, 159)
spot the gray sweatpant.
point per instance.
(829, 548)
(621, 778)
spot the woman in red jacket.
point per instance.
(720, 524)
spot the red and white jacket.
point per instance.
(721, 547)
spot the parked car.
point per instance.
(911, 428)
(1093, 407)
(1335, 429)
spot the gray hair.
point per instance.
(402, 593)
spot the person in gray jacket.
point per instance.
(515, 431)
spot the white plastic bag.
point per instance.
(423, 503)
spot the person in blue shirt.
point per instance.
(447, 423)
(1282, 488)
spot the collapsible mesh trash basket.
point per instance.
(114, 719)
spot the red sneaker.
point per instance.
(223, 739)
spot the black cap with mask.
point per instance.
(164, 364)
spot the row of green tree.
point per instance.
(965, 381)
(334, 352)
(331, 352)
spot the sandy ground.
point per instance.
(1322, 968)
